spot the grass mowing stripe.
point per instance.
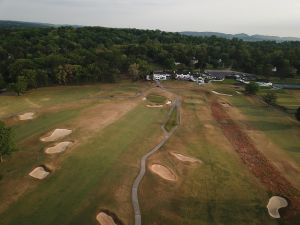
(60, 197)
(42, 123)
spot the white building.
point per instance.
(161, 76)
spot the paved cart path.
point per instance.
(135, 187)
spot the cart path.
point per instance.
(138, 179)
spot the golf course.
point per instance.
(190, 154)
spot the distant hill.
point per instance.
(21, 24)
(242, 36)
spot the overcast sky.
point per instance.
(272, 17)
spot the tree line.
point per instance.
(37, 57)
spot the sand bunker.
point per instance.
(185, 158)
(224, 104)
(39, 173)
(163, 172)
(57, 134)
(218, 93)
(144, 99)
(275, 203)
(26, 116)
(169, 102)
(105, 219)
(155, 106)
(58, 148)
(238, 92)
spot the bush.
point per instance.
(251, 88)
(297, 114)
(6, 141)
(270, 98)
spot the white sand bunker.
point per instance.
(26, 116)
(275, 203)
(218, 93)
(163, 172)
(58, 148)
(185, 158)
(169, 102)
(144, 99)
(155, 106)
(105, 219)
(39, 173)
(57, 134)
(225, 104)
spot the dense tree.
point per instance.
(20, 86)
(6, 141)
(297, 114)
(252, 88)
(67, 55)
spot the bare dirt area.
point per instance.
(56, 134)
(256, 162)
(163, 172)
(102, 115)
(59, 148)
(185, 158)
(39, 173)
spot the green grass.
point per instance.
(225, 90)
(218, 191)
(50, 96)
(43, 124)
(172, 121)
(289, 99)
(91, 176)
(275, 124)
(157, 99)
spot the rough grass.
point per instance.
(219, 191)
(157, 99)
(92, 176)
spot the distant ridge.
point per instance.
(22, 24)
(242, 36)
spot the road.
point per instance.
(135, 186)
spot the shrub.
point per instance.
(270, 98)
(251, 88)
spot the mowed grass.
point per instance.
(289, 99)
(157, 99)
(280, 128)
(92, 177)
(172, 121)
(37, 99)
(218, 191)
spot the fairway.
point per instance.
(196, 176)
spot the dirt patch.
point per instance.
(256, 162)
(163, 172)
(222, 94)
(275, 203)
(168, 102)
(39, 173)
(26, 116)
(185, 158)
(144, 99)
(57, 134)
(58, 148)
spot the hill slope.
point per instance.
(242, 36)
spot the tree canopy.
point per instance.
(68, 55)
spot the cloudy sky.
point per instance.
(272, 17)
